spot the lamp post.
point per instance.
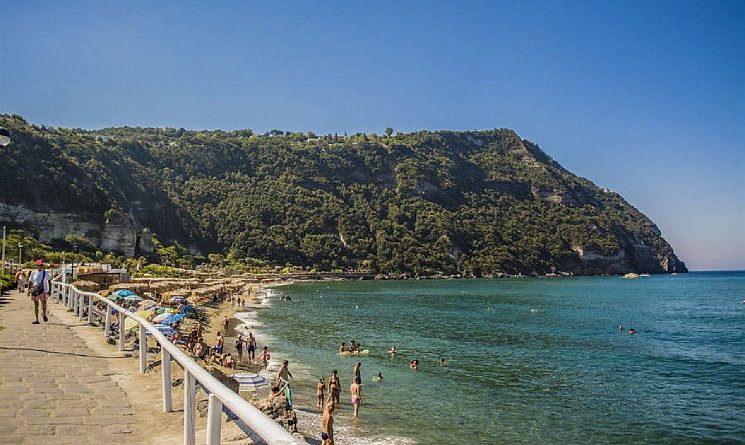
(4, 137)
(20, 249)
(3, 260)
(74, 249)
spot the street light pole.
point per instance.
(20, 249)
(72, 275)
(3, 260)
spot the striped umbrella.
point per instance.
(249, 381)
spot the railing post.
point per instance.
(122, 319)
(107, 323)
(81, 306)
(90, 309)
(165, 362)
(73, 295)
(143, 349)
(214, 419)
(189, 405)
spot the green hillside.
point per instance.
(473, 203)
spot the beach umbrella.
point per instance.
(165, 330)
(176, 299)
(172, 319)
(249, 381)
(160, 317)
(123, 293)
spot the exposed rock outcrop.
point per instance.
(279, 409)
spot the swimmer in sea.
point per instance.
(632, 331)
(620, 327)
(378, 378)
(392, 351)
(414, 364)
(356, 397)
(442, 361)
(342, 348)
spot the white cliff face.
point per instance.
(119, 234)
(52, 224)
(114, 234)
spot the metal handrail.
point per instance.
(219, 394)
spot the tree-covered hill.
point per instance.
(473, 203)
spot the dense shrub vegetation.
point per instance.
(422, 203)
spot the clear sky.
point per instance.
(644, 97)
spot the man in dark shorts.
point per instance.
(39, 289)
(251, 347)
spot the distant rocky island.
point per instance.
(472, 203)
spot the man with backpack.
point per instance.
(38, 282)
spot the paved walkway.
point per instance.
(60, 383)
(53, 387)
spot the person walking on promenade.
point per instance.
(21, 280)
(327, 428)
(39, 285)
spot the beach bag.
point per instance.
(39, 288)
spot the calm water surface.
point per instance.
(528, 361)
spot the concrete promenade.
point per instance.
(60, 383)
(53, 387)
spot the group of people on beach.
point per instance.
(334, 399)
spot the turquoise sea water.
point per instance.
(528, 361)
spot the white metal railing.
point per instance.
(219, 394)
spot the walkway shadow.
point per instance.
(11, 348)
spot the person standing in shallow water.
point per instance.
(357, 373)
(320, 391)
(356, 397)
(334, 386)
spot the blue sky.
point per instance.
(646, 98)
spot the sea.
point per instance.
(526, 360)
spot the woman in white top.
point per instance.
(38, 284)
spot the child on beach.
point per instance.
(265, 357)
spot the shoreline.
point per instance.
(309, 416)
